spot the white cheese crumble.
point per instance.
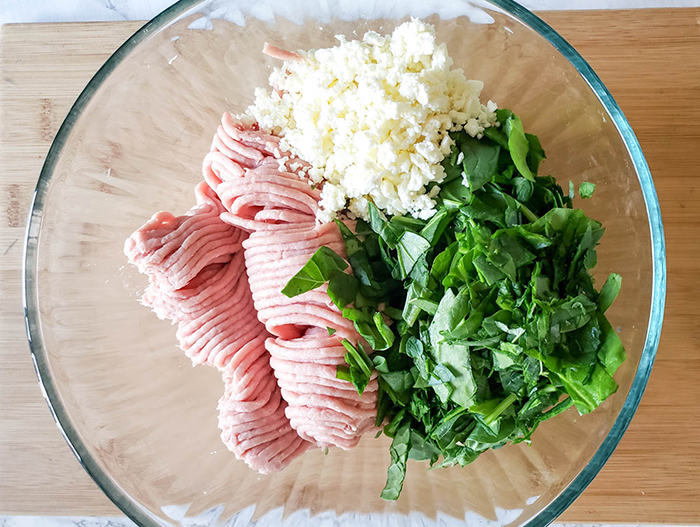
(372, 118)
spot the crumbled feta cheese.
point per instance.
(372, 118)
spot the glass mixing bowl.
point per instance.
(143, 422)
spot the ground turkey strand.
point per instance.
(264, 195)
(197, 279)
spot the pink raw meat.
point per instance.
(173, 250)
(277, 207)
(279, 53)
(197, 278)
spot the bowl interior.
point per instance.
(141, 418)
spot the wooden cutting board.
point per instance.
(649, 59)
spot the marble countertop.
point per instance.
(27, 11)
(17, 11)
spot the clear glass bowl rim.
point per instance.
(30, 288)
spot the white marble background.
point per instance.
(12, 11)
(24, 11)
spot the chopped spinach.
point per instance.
(483, 320)
(316, 272)
(586, 190)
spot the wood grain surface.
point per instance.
(650, 60)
